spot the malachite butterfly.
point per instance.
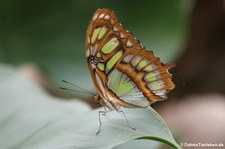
(123, 71)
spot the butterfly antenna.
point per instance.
(67, 89)
(83, 90)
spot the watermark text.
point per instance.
(185, 144)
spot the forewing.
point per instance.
(118, 62)
(106, 43)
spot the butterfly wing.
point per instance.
(121, 66)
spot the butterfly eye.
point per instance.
(92, 60)
(99, 98)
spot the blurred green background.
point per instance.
(51, 34)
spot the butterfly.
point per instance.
(123, 71)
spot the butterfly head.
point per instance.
(95, 61)
(97, 98)
(92, 60)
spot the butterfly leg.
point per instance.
(105, 111)
(100, 121)
(129, 125)
(103, 105)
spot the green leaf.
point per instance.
(30, 118)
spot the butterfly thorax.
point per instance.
(110, 102)
(104, 102)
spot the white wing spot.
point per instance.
(129, 43)
(101, 16)
(115, 28)
(122, 35)
(112, 21)
(95, 17)
(106, 17)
